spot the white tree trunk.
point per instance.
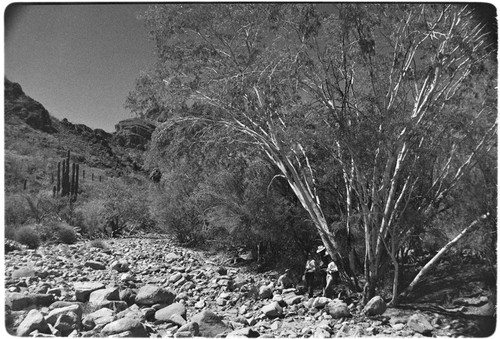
(434, 261)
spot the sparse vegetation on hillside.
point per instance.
(34, 212)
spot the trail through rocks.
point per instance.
(147, 287)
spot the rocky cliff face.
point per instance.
(30, 111)
(133, 133)
(130, 133)
(27, 122)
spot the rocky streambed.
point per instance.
(147, 287)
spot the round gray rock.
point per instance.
(153, 294)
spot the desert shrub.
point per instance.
(28, 236)
(65, 233)
(17, 211)
(90, 218)
(125, 205)
(174, 207)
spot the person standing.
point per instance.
(309, 274)
(332, 279)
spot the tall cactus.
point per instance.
(58, 187)
(76, 179)
(72, 186)
(66, 184)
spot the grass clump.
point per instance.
(98, 243)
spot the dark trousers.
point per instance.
(310, 282)
(331, 281)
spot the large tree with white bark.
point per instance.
(398, 100)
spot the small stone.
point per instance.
(320, 302)
(99, 296)
(127, 277)
(127, 295)
(192, 327)
(200, 304)
(321, 333)
(398, 327)
(120, 266)
(272, 310)
(83, 289)
(175, 277)
(265, 292)
(96, 265)
(127, 324)
(23, 272)
(246, 332)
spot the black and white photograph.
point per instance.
(250, 169)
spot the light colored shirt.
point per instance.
(310, 266)
(332, 267)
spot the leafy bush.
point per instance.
(125, 205)
(65, 233)
(17, 211)
(90, 218)
(28, 236)
(174, 207)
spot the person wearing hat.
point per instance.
(324, 259)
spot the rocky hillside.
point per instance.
(148, 287)
(30, 131)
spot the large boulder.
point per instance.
(74, 311)
(272, 310)
(338, 309)
(33, 321)
(375, 306)
(175, 313)
(210, 324)
(19, 301)
(152, 294)
(190, 329)
(23, 272)
(419, 323)
(100, 317)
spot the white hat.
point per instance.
(320, 249)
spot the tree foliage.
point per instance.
(379, 110)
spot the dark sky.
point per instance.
(78, 60)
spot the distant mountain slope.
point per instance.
(31, 132)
